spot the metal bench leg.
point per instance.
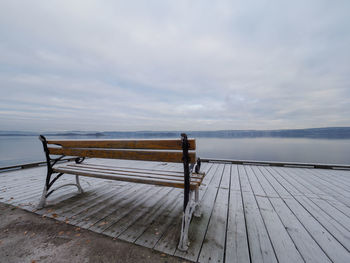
(42, 201)
(80, 189)
(197, 209)
(186, 221)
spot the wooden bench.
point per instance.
(177, 151)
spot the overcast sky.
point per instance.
(174, 65)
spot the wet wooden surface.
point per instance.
(249, 213)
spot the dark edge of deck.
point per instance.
(280, 164)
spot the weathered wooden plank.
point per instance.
(339, 206)
(20, 190)
(331, 208)
(16, 178)
(23, 192)
(143, 221)
(334, 175)
(79, 208)
(318, 188)
(283, 244)
(125, 144)
(34, 192)
(79, 200)
(254, 183)
(321, 184)
(295, 186)
(159, 156)
(170, 167)
(311, 191)
(343, 174)
(107, 186)
(118, 194)
(199, 226)
(306, 245)
(159, 226)
(266, 186)
(213, 248)
(195, 178)
(340, 233)
(334, 250)
(235, 182)
(133, 179)
(30, 201)
(272, 189)
(206, 167)
(261, 249)
(237, 248)
(132, 189)
(170, 239)
(135, 213)
(135, 191)
(330, 182)
(133, 171)
(164, 234)
(341, 217)
(124, 209)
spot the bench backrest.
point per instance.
(145, 150)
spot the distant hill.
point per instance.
(329, 132)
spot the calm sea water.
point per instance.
(19, 150)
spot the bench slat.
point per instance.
(134, 179)
(128, 167)
(125, 144)
(132, 171)
(129, 173)
(175, 157)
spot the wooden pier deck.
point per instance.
(250, 213)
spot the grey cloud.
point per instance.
(160, 65)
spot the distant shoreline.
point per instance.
(327, 133)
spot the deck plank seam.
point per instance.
(116, 222)
(160, 200)
(132, 189)
(158, 206)
(257, 203)
(331, 182)
(211, 212)
(307, 230)
(321, 186)
(279, 217)
(318, 187)
(227, 214)
(322, 208)
(313, 218)
(244, 214)
(175, 207)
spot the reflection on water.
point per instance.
(277, 149)
(22, 149)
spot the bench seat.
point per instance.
(162, 151)
(135, 175)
